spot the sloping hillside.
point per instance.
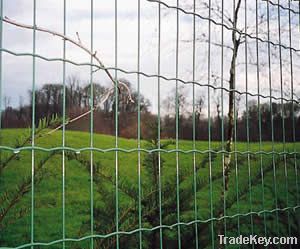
(253, 188)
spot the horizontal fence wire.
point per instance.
(224, 25)
(283, 7)
(80, 150)
(153, 228)
(296, 101)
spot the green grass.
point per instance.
(15, 226)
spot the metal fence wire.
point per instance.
(216, 153)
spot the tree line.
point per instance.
(252, 124)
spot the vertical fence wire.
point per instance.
(116, 127)
(292, 87)
(92, 104)
(247, 121)
(298, 201)
(292, 99)
(194, 128)
(64, 127)
(139, 122)
(283, 117)
(177, 106)
(235, 16)
(271, 115)
(159, 127)
(222, 119)
(259, 116)
(1, 45)
(209, 126)
(237, 190)
(1, 75)
(33, 121)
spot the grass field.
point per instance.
(258, 182)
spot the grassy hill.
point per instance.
(258, 181)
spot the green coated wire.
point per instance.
(284, 8)
(92, 128)
(1, 67)
(283, 119)
(194, 151)
(158, 128)
(64, 130)
(247, 121)
(139, 124)
(292, 95)
(194, 129)
(171, 151)
(209, 126)
(116, 126)
(1, 41)
(148, 75)
(234, 146)
(177, 126)
(250, 36)
(298, 201)
(236, 171)
(33, 123)
(259, 118)
(222, 120)
(294, 208)
(271, 115)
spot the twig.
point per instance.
(106, 96)
(64, 37)
(91, 53)
(78, 37)
(83, 114)
(201, 40)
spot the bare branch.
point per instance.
(91, 53)
(64, 37)
(78, 37)
(105, 98)
(200, 40)
(219, 13)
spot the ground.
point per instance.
(273, 183)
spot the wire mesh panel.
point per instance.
(149, 123)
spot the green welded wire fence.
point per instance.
(198, 230)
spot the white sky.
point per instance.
(17, 71)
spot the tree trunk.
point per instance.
(231, 115)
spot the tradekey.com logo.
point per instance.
(257, 240)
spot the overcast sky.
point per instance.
(17, 71)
